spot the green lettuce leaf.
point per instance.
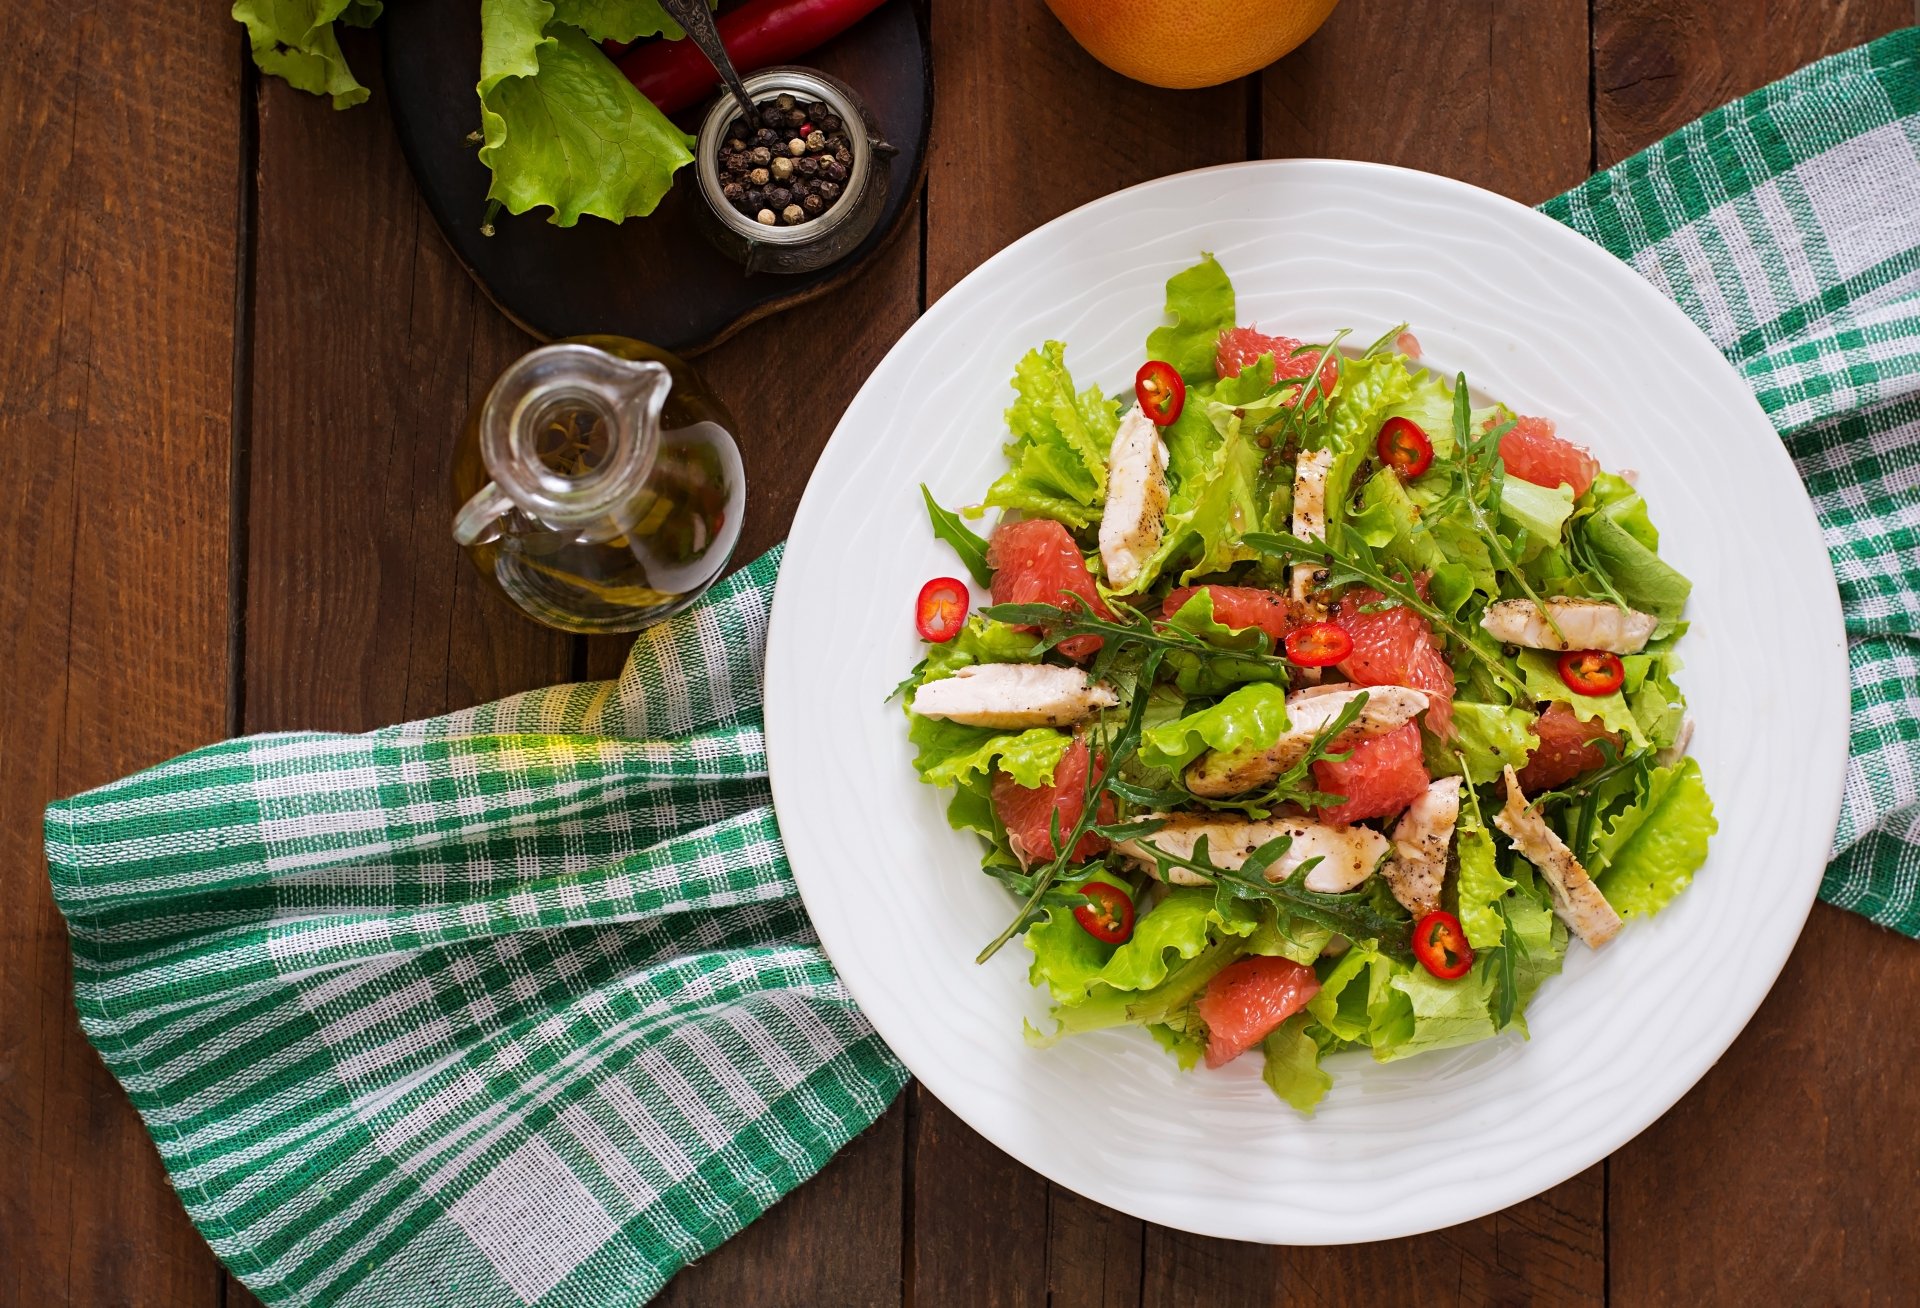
(1218, 676)
(1058, 454)
(1650, 851)
(618, 20)
(1657, 704)
(1627, 507)
(1425, 1013)
(951, 751)
(563, 127)
(1617, 535)
(1480, 884)
(1251, 718)
(1075, 968)
(1541, 940)
(1542, 512)
(1293, 1069)
(295, 39)
(1200, 303)
(1489, 736)
(1540, 670)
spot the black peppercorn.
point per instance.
(756, 198)
(829, 122)
(833, 170)
(844, 157)
(765, 136)
(807, 166)
(772, 117)
(796, 117)
(779, 196)
(734, 192)
(813, 204)
(799, 188)
(827, 190)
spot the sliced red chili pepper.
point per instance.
(941, 610)
(1318, 645)
(1441, 946)
(1592, 671)
(1404, 447)
(1161, 390)
(1108, 914)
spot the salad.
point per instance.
(1317, 707)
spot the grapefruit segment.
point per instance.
(1566, 749)
(1241, 607)
(1241, 347)
(1379, 777)
(1027, 812)
(1243, 1004)
(1395, 647)
(1533, 453)
(1036, 562)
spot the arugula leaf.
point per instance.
(1200, 303)
(563, 127)
(949, 527)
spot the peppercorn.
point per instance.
(844, 157)
(792, 214)
(800, 189)
(734, 144)
(783, 168)
(795, 118)
(764, 216)
(833, 170)
(756, 198)
(807, 165)
(765, 136)
(758, 177)
(760, 156)
(734, 192)
(772, 117)
(779, 196)
(830, 122)
(827, 191)
(813, 204)
(816, 142)
(785, 102)
(796, 147)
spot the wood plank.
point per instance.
(1027, 126)
(119, 261)
(1493, 92)
(1658, 65)
(1544, 1251)
(1798, 1141)
(370, 343)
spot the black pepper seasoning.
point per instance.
(789, 164)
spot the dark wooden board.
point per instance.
(116, 351)
(655, 278)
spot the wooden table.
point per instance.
(234, 352)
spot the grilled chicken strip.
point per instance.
(1136, 499)
(1309, 510)
(1576, 900)
(1421, 840)
(1585, 624)
(1014, 696)
(1347, 855)
(1216, 775)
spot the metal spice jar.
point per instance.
(805, 186)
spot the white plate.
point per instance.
(1536, 316)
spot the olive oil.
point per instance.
(600, 486)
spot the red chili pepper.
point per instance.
(1404, 447)
(674, 74)
(1592, 671)
(1441, 946)
(1161, 391)
(941, 610)
(1318, 645)
(1108, 914)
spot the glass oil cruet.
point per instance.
(599, 485)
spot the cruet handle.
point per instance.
(479, 518)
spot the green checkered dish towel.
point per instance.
(520, 1005)
(1787, 225)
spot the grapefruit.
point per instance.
(1188, 43)
(1243, 1004)
(1380, 776)
(1566, 749)
(1036, 562)
(1395, 647)
(1027, 812)
(1241, 607)
(1242, 347)
(1533, 453)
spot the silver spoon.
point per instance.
(697, 19)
